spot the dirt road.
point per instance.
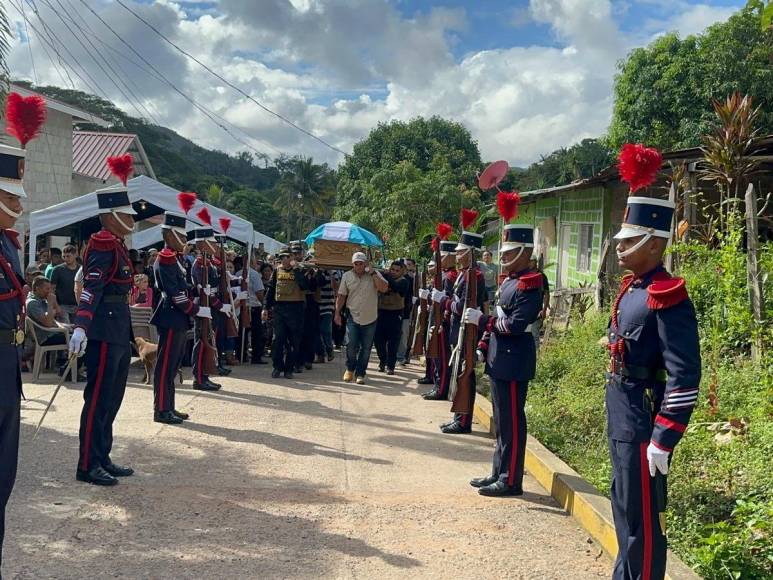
(281, 479)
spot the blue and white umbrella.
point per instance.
(344, 232)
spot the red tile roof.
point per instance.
(90, 149)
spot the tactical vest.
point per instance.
(391, 300)
(287, 289)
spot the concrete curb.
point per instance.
(578, 497)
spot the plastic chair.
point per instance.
(41, 351)
(141, 326)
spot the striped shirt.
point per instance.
(327, 296)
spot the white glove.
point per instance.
(204, 312)
(481, 356)
(658, 459)
(226, 309)
(472, 316)
(415, 300)
(424, 294)
(438, 295)
(78, 342)
(243, 295)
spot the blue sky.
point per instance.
(525, 77)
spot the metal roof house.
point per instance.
(91, 148)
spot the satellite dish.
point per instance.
(493, 175)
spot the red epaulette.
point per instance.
(452, 275)
(216, 262)
(103, 241)
(665, 292)
(13, 235)
(167, 256)
(530, 281)
(198, 261)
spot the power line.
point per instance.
(167, 81)
(224, 80)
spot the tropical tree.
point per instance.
(306, 193)
(405, 177)
(663, 93)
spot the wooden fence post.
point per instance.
(753, 281)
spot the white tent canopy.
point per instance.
(152, 236)
(141, 189)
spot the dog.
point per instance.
(148, 353)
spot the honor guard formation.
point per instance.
(451, 313)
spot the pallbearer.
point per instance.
(655, 371)
(103, 328)
(508, 348)
(172, 316)
(25, 117)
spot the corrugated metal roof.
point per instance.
(90, 149)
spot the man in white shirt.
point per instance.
(358, 291)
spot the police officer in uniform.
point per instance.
(12, 299)
(103, 332)
(652, 385)
(424, 294)
(511, 359)
(454, 304)
(172, 318)
(440, 364)
(206, 245)
(287, 300)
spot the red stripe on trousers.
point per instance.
(443, 366)
(514, 449)
(93, 406)
(164, 367)
(199, 368)
(646, 512)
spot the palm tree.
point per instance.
(306, 192)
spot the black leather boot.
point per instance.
(96, 476)
(167, 417)
(483, 481)
(118, 470)
(500, 489)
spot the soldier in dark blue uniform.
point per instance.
(429, 371)
(103, 332)
(511, 359)
(12, 299)
(172, 318)
(440, 364)
(652, 386)
(454, 306)
(220, 317)
(205, 243)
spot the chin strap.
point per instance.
(121, 222)
(514, 260)
(179, 237)
(632, 249)
(10, 212)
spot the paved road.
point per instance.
(293, 479)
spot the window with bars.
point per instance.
(585, 248)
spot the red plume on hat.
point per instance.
(25, 116)
(204, 216)
(225, 223)
(121, 166)
(444, 230)
(186, 199)
(639, 165)
(507, 204)
(468, 217)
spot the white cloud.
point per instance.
(339, 67)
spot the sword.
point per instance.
(68, 368)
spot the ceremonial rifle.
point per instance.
(420, 334)
(463, 358)
(225, 286)
(209, 352)
(435, 334)
(414, 310)
(245, 316)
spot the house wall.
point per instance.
(48, 165)
(83, 184)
